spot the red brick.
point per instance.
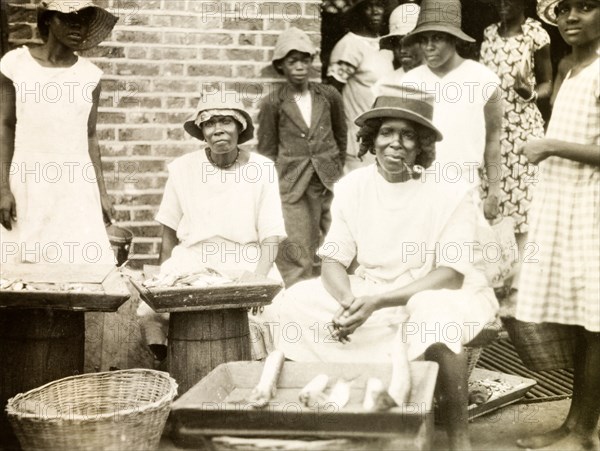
(140, 134)
(174, 102)
(105, 133)
(146, 214)
(138, 198)
(136, 53)
(104, 51)
(247, 39)
(20, 31)
(143, 248)
(159, 21)
(244, 55)
(188, 21)
(175, 134)
(222, 70)
(176, 149)
(170, 70)
(18, 13)
(111, 118)
(239, 24)
(245, 71)
(173, 54)
(174, 86)
(211, 54)
(138, 69)
(137, 36)
(142, 230)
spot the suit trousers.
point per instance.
(306, 222)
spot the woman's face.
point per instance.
(438, 49)
(71, 29)
(221, 134)
(396, 148)
(578, 21)
(509, 9)
(373, 15)
(409, 56)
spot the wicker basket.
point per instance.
(542, 346)
(114, 410)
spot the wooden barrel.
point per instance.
(36, 347)
(201, 340)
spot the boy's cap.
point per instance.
(292, 39)
(99, 28)
(402, 21)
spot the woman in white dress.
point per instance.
(418, 268)
(52, 192)
(220, 209)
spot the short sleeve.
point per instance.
(170, 211)
(540, 37)
(459, 236)
(270, 214)
(341, 71)
(346, 50)
(8, 64)
(339, 244)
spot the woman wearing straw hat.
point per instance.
(468, 106)
(356, 63)
(52, 202)
(221, 205)
(560, 289)
(412, 286)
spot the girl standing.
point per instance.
(563, 286)
(517, 49)
(53, 196)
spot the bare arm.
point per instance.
(491, 156)
(94, 151)
(169, 241)
(336, 281)
(539, 150)
(8, 121)
(268, 252)
(543, 72)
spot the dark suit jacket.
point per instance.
(298, 151)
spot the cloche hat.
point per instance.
(99, 28)
(219, 101)
(440, 15)
(402, 21)
(292, 39)
(402, 102)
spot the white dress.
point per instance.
(59, 215)
(458, 112)
(221, 217)
(398, 233)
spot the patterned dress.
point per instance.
(560, 276)
(522, 120)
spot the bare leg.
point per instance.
(521, 239)
(452, 394)
(575, 410)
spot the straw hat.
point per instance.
(402, 21)
(219, 101)
(440, 15)
(546, 10)
(99, 28)
(291, 39)
(402, 102)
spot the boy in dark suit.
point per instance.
(302, 128)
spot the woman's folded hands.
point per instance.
(351, 316)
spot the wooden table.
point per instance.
(42, 332)
(208, 326)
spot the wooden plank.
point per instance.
(57, 272)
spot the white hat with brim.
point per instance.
(402, 21)
(217, 102)
(99, 28)
(400, 102)
(546, 10)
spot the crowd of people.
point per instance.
(407, 150)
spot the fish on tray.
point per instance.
(204, 278)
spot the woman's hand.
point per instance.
(108, 209)
(538, 150)
(522, 87)
(355, 316)
(491, 206)
(8, 208)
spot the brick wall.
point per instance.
(160, 56)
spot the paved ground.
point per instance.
(496, 431)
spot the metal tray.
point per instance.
(520, 386)
(216, 405)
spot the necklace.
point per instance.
(227, 166)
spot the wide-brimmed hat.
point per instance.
(440, 15)
(99, 28)
(219, 101)
(402, 102)
(546, 9)
(402, 21)
(292, 39)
